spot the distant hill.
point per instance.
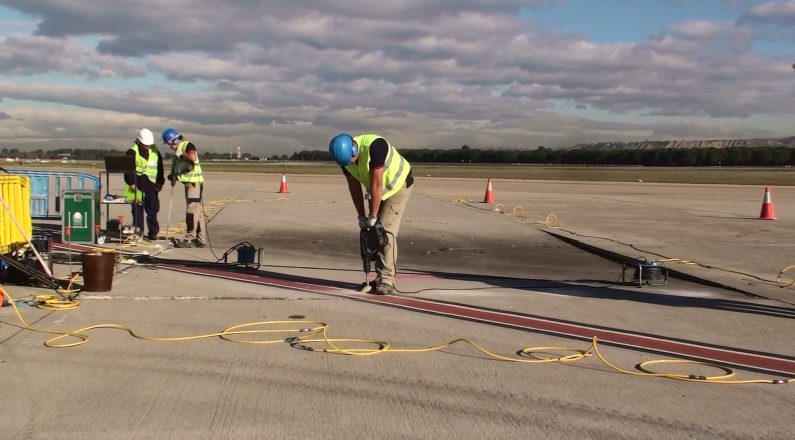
(788, 142)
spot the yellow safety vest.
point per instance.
(193, 176)
(143, 167)
(396, 168)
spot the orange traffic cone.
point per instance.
(283, 187)
(768, 211)
(489, 198)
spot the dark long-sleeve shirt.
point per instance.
(142, 182)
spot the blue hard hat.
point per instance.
(343, 149)
(169, 135)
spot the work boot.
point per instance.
(199, 244)
(184, 244)
(363, 285)
(383, 289)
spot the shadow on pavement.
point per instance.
(609, 292)
(574, 288)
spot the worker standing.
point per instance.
(186, 168)
(145, 183)
(369, 160)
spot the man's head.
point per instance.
(172, 138)
(343, 149)
(145, 138)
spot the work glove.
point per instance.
(173, 179)
(371, 220)
(362, 222)
(158, 187)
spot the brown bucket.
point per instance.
(98, 268)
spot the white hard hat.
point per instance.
(146, 137)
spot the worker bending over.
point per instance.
(369, 160)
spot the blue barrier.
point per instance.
(42, 181)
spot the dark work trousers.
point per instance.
(138, 216)
(150, 206)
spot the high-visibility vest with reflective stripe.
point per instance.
(143, 167)
(195, 175)
(396, 168)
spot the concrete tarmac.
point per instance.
(452, 249)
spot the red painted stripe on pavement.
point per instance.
(735, 357)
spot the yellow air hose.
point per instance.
(253, 332)
(784, 284)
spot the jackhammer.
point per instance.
(371, 240)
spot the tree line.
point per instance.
(60, 153)
(99, 154)
(683, 157)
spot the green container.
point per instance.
(80, 216)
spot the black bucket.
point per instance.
(41, 243)
(35, 263)
(98, 268)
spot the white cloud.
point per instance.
(31, 54)
(774, 11)
(285, 75)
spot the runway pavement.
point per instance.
(453, 250)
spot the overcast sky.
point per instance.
(279, 76)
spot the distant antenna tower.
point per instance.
(238, 152)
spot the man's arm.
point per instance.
(174, 161)
(376, 189)
(378, 152)
(190, 153)
(129, 178)
(160, 180)
(355, 189)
